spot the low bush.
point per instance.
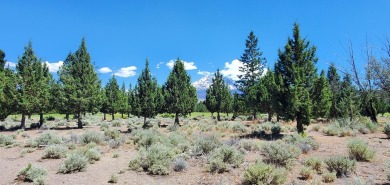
(331, 130)
(329, 177)
(91, 136)
(315, 163)
(115, 143)
(75, 162)
(91, 153)
(48, 138)
(358, 149)
(116, 123)
(104, 126)
(146, 138)
(55, 152)
(280, 154)
(316, 127)
(306, 173)
(261, 173)
(34, 174)
(206, 143)
(179, 164)
(304, 143)
(386, 129)
(248, 145)
(223, 158)
(343, 166)
(112, 134)
(113, 179)
(238, 128)
(155, 159)
(50, 118)
(6, 140)
(180, 142)
(270, 128)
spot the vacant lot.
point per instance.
(201, 151)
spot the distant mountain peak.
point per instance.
(204, 83)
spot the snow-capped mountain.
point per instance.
(203, 84)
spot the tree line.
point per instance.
(31, 89)
(292, 90)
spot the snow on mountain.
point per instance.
(203, 84)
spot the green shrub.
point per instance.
(112, 134)
(48, 138)
(238, 128)
(304, 143)
(180, 142)
(315, 163)
(179, 164)
(223, 158)
(358, 149)
(116, 123)
(91, 153)
(386, 129)
(104, 126)
(155, 159)
(115, 155)
(113, 179)
(247, 145)
(75, 162)
(280, 154)
(206, 143)
(146, 138)
(270, 128)
(372, 126)
(316, 127)
(55, 152)
(33, 174)
(329, 177)
(331, 130)
(91, 136)
(343, 166)
(261, 173)
(6, 140)
(307, 173)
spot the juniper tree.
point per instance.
(45, 83)
(321, 97)
(179, 94)
(266, 88)
(237, 105)
(227, 105)
(135, 102)
(80, 81)
(335, 87)
(349, 104)
(129, 100)
(112, 96)
(123, 102)
(8, 89)
(252, 69)
(296, 73)
(147, 93)
(2, 60)
(160, 101)
(104, 106)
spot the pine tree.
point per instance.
(349, 104)
(112, 96)
(238, 105)
(227, 104)
(29, 75)
(2, 60)
(217, 95)
(147, 93)
(123, 107)
(179, 94)
(44, 82)
(135, 102)
(322, 97)
(252, 68)
(8, 89)
(104, 107)
(80, 81)
(160, 101)
(296, 74)
(266, 87)
(129, 100)
(335, 86)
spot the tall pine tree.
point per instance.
(335, 87)
(123, 103)
(8, 89)
(321, 97)
(112, 96)
(252, 69)
(296, 73)
(217, 95)
(147, 93)
(179, 94)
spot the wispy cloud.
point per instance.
(55, 66)
(126, 72)
(104, 70)
(187, 65)
(158, 65)
(231, 70)
(10, 65)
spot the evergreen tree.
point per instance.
(112, 96)
(322, 97)
(252, 68)
(123, 102)
(135, 102)
(227, 105)
(238, 105)
(147, 93)
(2, 60)
(179, 94)
(44, 82)
(8, 89)
(104, 107)
(200, 107)
(160, 101)
(217, 96)
(296, 74)
(349, 101)
(335, 86)
(266, 88)
(80, 81)
(129, 100)
(29, 76)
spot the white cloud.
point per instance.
(187, 65)
(104, 70)
(158, 65)
(126, 72)
(204, 73)
(10, 65)
(54, 67)
(231, 70)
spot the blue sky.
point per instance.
(206, 34)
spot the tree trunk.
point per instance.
(79, 123)
(67, 116)
(212, 115)
(128, 115)
(122, 115)
(144, 122)
(23, 122)
(177, 119)
(104, 116)
(254, 115)
(218, 116)
(270, 116)
(40, 120)
(299, 124)
(373, 113)
(112, 115)
(277, 118)
(29, 116)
